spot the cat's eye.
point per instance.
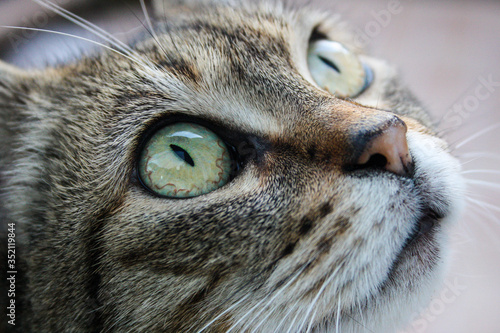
(337, 70)
(184, 160)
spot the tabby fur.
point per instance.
(296, 242)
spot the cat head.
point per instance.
(238, 168)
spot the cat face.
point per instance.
(329, 209)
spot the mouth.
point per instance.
(424, 227)
(420, 246)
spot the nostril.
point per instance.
(387, 150)
(377, 161)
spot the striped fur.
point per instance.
(295, 243)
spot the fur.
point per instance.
(295, 242)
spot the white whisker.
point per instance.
(318, 294)
(483, 171)
(290, 327)
(483, 183)
(477, 135)
(484, 212)
(285, 317)
(281, 290)
(337, 320)
(129, 32)
(360, 311)
(485, 205)
(88, 26)
(151, 28)
(146, 16)
(488, 232)
(481, 154)
(223, 313)
(116, 43)
(78, 37)
(309, 327)
(262, 320)
(469, 161)
(481, 200)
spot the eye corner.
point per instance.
(317, 35)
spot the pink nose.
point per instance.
(388, 150)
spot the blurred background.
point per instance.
(448, 52)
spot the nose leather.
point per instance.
(387, 149)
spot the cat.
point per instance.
(242, 167)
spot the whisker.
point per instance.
(484, 212)
(444, 131)
(223, 313)
(480, 154)
(318, 294)
(485, 205)
(98, 32)
(88, 26)
(309, 327)
(78, 37)
(284, 318)
(483, 183)
(360, 311)
(131, 31)
(488, 232)
(293, 322)
(469, 161)
(262, 320)
(337, 321)
(484, 171)
(365, 328)
(146, 16)
(281, 290)
(477, 135)
(357, 322)
(150, 28)
(463, 237)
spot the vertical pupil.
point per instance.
(330, 63)
(182, 154)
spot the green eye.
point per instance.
(184, 160)
(336, 69)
